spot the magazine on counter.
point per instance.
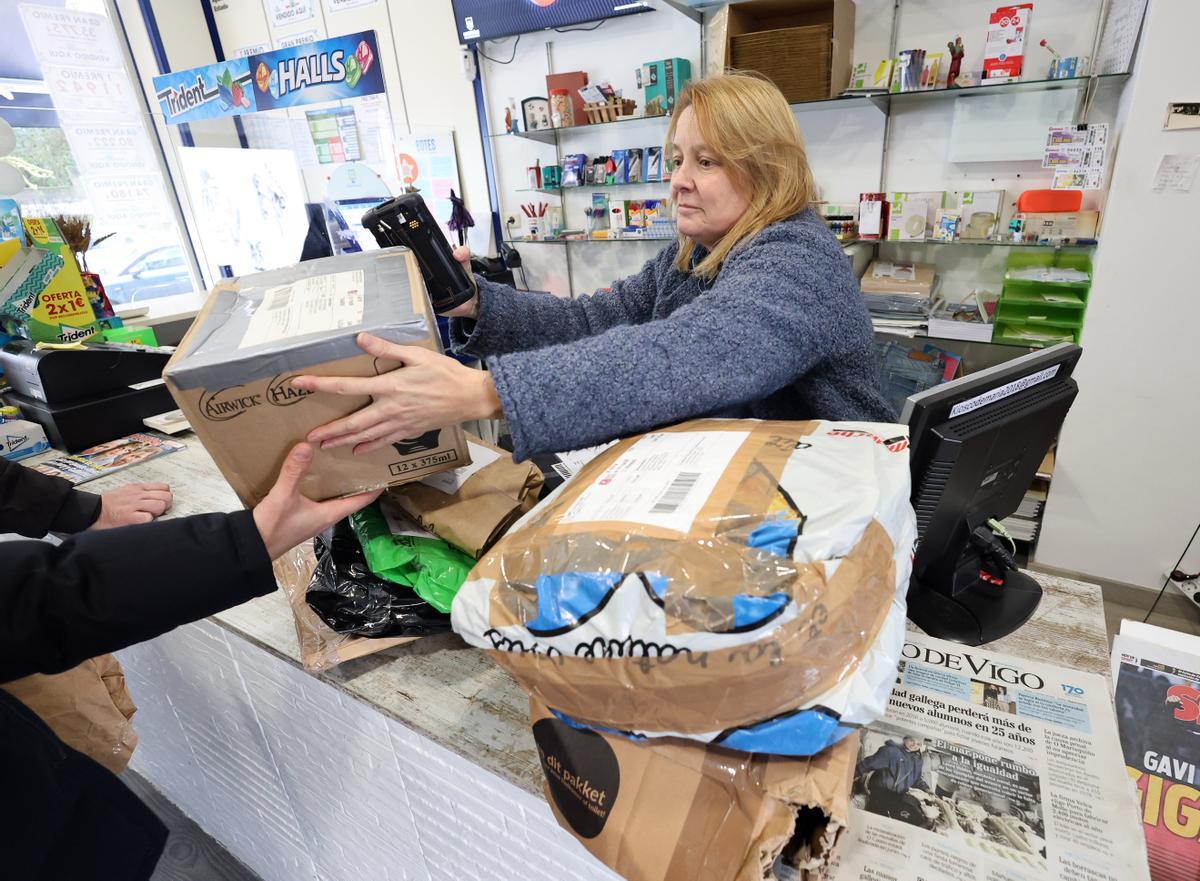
(108, 457)
(1156, 674)
(990, 767)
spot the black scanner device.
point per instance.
(406, 220)
(88, 394)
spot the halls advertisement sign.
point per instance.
(311, 73)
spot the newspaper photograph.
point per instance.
(1156, 674)
(992, 768)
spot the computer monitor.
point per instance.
(976, 444)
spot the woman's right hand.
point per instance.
(469, 309)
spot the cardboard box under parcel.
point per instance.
(232, 373)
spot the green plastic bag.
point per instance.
(410, 557)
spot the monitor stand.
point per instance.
(978, 612)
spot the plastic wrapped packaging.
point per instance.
(352, 600)
(399, 551)
(320, 646)
(676, 810)
(732, 582)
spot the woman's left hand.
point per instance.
(427, 391)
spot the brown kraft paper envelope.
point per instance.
(484, 507)
(674, 810)
(687, 692)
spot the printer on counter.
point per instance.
(88, 394)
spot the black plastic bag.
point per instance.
(351, 600)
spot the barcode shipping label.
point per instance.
(662, 480)
(311, 305)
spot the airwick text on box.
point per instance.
(232, 374)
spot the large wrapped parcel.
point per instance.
(232, 373)
(734, 582)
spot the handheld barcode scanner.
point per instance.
(406, 221)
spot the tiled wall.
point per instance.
(299, 780)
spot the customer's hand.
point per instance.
(285, 518)
(135, 503)
(469, 309)
(427, 391)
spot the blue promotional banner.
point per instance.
(205, 92)
(312, 73)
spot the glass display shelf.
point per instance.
(974, 243)
(883, 100)
(1021, 86)
(921, 333)
(548, 135)
(587, 241)
(589, 187)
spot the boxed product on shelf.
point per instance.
(1046, 226)
(871, 78)
(806, 49)
(661, 82)
(872, 215)
(231, 375)
(932, 69)
(654, 163)
(947, 225)
(1004, 51)
(910, 64)
(912, 215)
(574, 170)
(633, 172)
(981, 212)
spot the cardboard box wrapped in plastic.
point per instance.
(676, 810)
(734, 582)
(232, 373)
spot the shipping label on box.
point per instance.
(231, 375)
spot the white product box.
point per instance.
(981, 212)
(913, 215)
(20, 438)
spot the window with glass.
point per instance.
(83, 147)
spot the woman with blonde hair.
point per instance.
(753, 312)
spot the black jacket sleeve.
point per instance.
(32, 503)
(100, 592)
